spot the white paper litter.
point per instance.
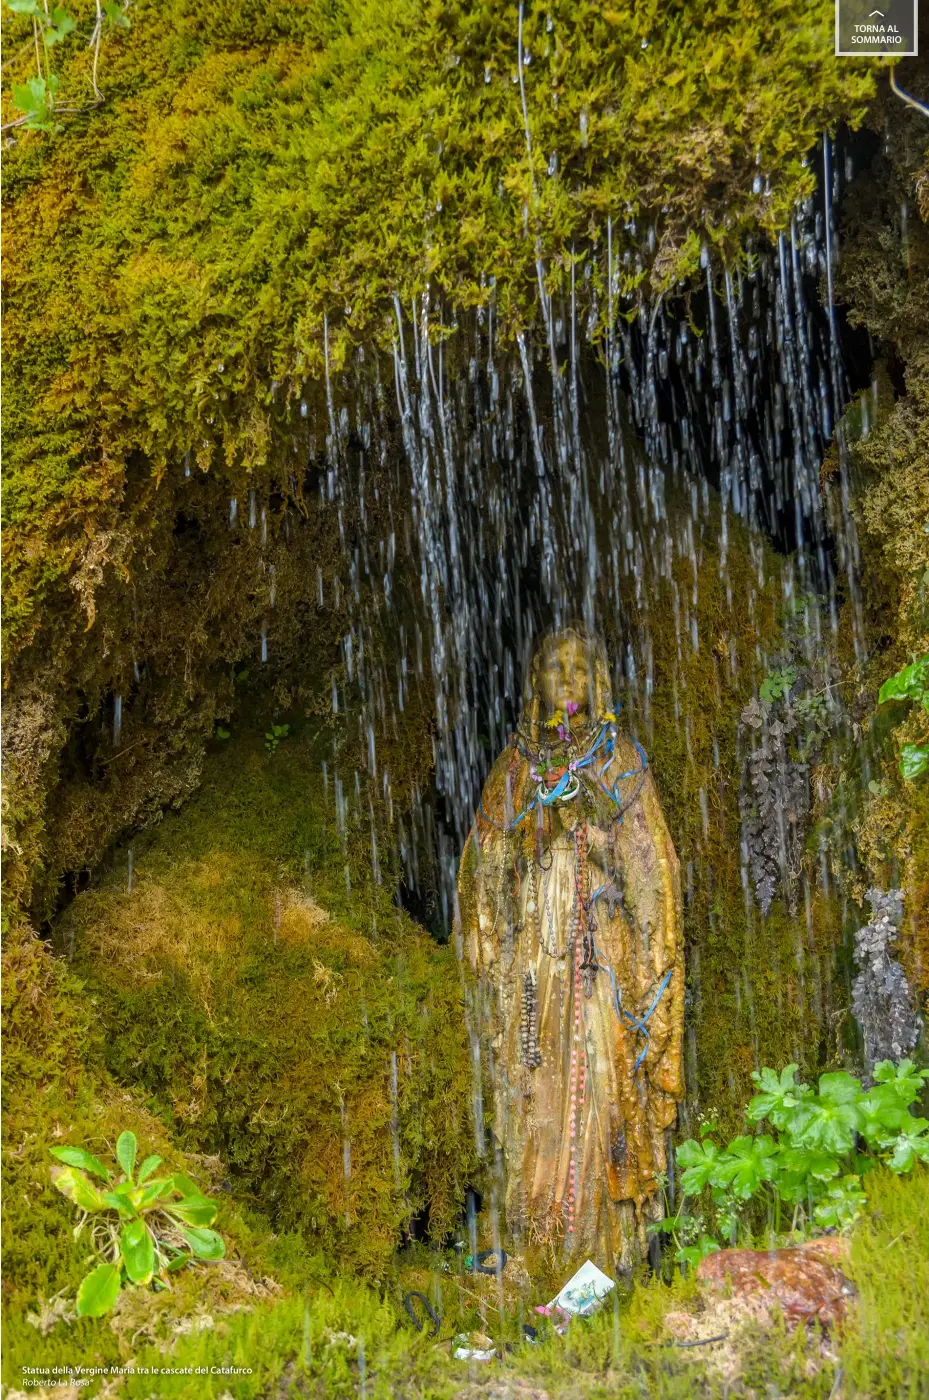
(582, 1293)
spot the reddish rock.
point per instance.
(804, 1282)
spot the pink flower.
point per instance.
(562, 732)
(571, 707)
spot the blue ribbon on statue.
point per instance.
(638, 1023)
(547, 797)
(631, 773)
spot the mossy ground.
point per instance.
(57, 1091)
(333, 1336)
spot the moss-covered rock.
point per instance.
(295, 1046)
(311, 1038)
(761, 990)
(57, 1091)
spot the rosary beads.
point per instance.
(529, 1026)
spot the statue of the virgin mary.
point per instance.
(569, 893)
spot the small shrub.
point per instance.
(812, 1162)
(143, 1227)
(910, 685)
(275, 734)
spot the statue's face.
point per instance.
(564, 675)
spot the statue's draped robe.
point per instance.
(583, 1142)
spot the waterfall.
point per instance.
(536, 473)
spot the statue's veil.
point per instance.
(600, 699)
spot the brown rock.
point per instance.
(832, 1249)
(803, 1281)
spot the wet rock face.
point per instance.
(774, 803)
(881, 997)
(804, 1282)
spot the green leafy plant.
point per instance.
(275, 734)
(116, 14)
(690, 1240)
(688, 1232)
(910, 685)
(221, 733)
(777, 684)
(811, 1160)
(142, 1227)
(37, 99)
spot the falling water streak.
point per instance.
(395, 1116)
(117, 719)
(362, 1370)
(847, 536)
(346, 1156)
(522, 92)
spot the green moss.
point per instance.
(885, 1353)
(271, 1017)
(315, 1345)
(219, 1013)
(57, 1091)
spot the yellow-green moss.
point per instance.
(885, 1352)
(265, 1011)
(56, 1091)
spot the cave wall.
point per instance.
(883, 280)
(183, 261)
